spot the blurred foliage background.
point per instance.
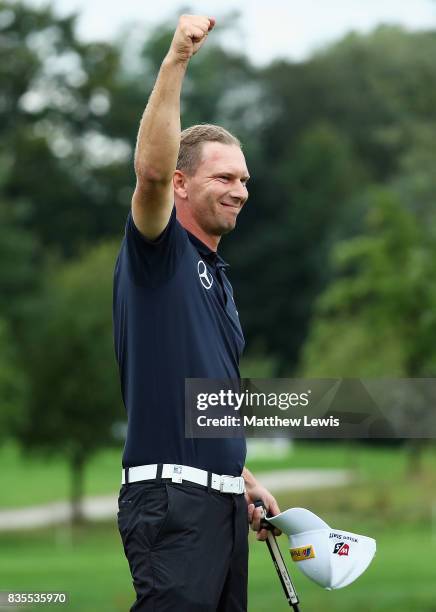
(333, 260)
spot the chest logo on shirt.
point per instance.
(206, 278)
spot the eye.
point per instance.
(223, 177)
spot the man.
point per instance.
(183, 526)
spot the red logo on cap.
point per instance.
(343, 551)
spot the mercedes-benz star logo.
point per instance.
(206, 277)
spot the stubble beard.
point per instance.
(214, 221)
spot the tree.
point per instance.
(20, 256)
(382, 292)
(74, 397)
(13, 384)
(298, 212)
(19, 284)
(377, 319)
(331, 126)
(315, 133)
(56, 91)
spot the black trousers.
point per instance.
(187, 547)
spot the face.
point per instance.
(217, 192)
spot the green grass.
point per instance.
(34, 481)
(385, 502)
(91, 567)
(401, 578)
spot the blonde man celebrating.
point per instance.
(183, 524)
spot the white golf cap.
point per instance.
(330, 557)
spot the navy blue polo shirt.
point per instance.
(174, 318)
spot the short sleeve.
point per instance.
(152, 262)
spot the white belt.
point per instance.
(179, 473)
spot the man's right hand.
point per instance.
(190, 35)
(158, 141)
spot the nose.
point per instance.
(239, 192)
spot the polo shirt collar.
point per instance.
(211, 256)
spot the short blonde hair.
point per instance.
(192, 139)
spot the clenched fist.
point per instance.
(191, 32)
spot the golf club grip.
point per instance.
(279, 564)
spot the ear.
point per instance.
(180, 181)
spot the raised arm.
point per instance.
(158, 140)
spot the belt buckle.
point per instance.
(231, 484)
(177, 474)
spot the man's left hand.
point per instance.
(255, 491)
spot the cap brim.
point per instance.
(297, 520)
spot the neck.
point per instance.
(192, 226)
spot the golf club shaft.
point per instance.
(279, 564)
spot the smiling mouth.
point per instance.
(234, 206)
